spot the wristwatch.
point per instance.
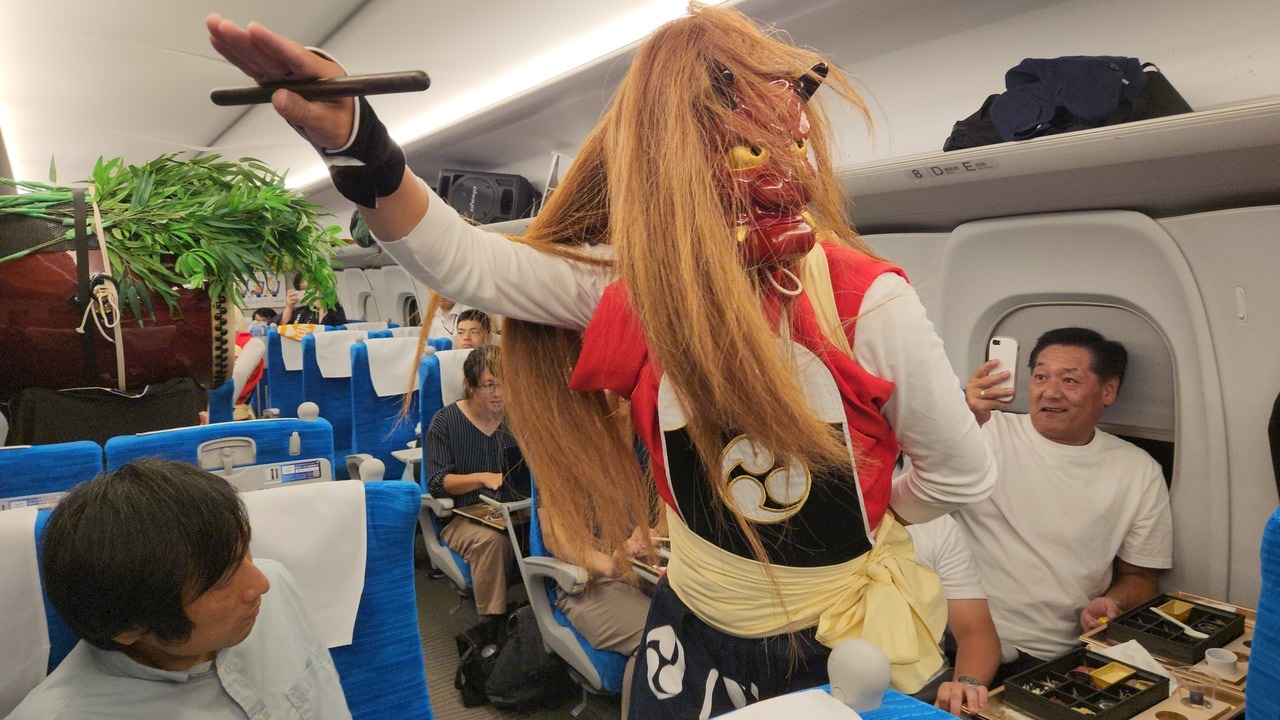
(967, 680)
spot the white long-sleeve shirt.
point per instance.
(951, 466)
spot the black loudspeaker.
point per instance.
(487, 197)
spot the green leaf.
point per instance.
(202, 221)
(129, 296)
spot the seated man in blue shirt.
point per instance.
(150, 566)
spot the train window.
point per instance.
(409, 312)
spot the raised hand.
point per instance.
(981, 392)
(266, 57)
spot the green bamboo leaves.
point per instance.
(199, 223)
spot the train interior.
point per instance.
(1162, 233)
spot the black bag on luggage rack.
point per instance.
(1045, 97)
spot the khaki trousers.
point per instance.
(610, 614)
(489, 554)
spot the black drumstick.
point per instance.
(350, 86)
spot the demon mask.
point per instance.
(770, 218)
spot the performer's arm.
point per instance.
(481, 269)
(487, 270)
(950, 464)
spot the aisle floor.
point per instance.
(438, 628)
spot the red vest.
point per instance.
(615, 357)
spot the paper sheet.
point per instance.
(809, 705)
(1134, 654)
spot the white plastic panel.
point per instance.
(1120, 259)
(378, 307)
(919, 254)
(397, 287)
(355, 294)
(1235, 255)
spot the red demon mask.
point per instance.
(772, 225)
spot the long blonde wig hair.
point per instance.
(650, 181)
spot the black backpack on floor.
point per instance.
(477, 655)
(526, 676)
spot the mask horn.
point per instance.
(808, 83)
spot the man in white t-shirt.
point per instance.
(940, 546)
(1078, 527)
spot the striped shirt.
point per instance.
(456, 446)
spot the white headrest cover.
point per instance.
(24, 654)
(333, 352)
(391, 366)
(411, 331)
(317, 531)
(367, 326)
(291, 344)
(451, 386)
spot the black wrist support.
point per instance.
(372, 166)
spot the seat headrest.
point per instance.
(24, 654)
(318, 532)
(452, 388)
(333, 351)
(367, 326)
(391, 366)
(291, 343)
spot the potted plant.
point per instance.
(190, 232)
(202, 223)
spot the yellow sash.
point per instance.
(884, 597)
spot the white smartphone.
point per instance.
(1005, 349)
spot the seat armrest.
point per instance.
(571, 578)
(514, 506)
(440, 507)
(363, 466)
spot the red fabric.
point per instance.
(252, 381)
(615, 357)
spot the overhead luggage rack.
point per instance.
(1176, 165)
